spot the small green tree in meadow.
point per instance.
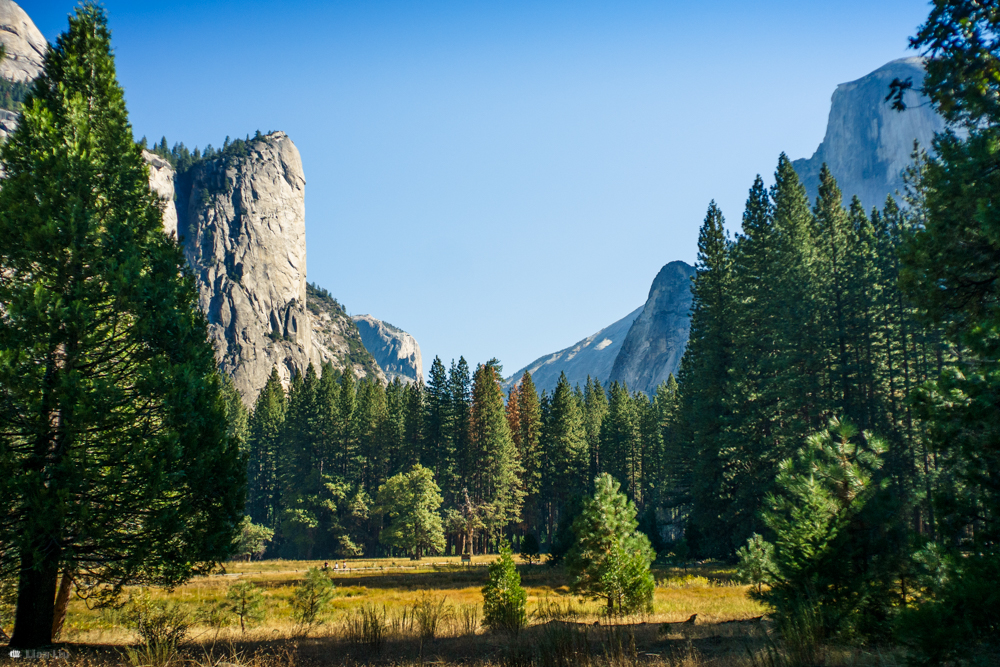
(530, 548)
(504, 598)
(246, 601)
(755, 562)
(310, 599)
(411, 501)
(610, 559)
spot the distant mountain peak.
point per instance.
(868, 143)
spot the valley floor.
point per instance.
(564, 629)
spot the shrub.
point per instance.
(157, 622)
(310, 598)
(504, 598)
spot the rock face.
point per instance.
(655, 343)
(593, 356)
(867, 143)
(24, 43)
(161, 180)
(241, 223)
(397, 352)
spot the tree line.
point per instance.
(506, 467)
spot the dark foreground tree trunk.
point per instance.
(36, 594)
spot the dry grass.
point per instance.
(376, 618)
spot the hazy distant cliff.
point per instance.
(868, 144)
(593, 356)
(397, 352)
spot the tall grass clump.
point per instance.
(430, 615)
(366, 626)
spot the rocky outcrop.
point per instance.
(397, 352)
(241, 223)
(655, 343)
(594, 356)
(868, 144)
(161, 180)
(24, 44)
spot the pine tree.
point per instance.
(530, 449)
(595, 402)
(439, 447)
(265, 428)
(610, 559)
(115, 456)
(564, 457)
(704, 382)
(495, 484)
(504, 599)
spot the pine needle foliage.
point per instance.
(504, 599)
(610, 559)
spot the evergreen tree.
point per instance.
(530, 420)
(704, 381)
(495, 484)
(115, 455)
(265, 428)
(439, 447)
(610, 559)
(595, 402)
(564, 457)
(504, 599)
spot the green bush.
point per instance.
(504, 599)
(756, 562)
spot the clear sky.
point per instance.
(501, 179)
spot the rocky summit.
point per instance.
(397, 352)
(655, 343)
(241, 223)
(868, 144)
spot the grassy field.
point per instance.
(564, 629)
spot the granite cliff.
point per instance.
(868, 144)
(397, 352)
(240, 220)
(655, 343)
(25, 47)
(593, 356)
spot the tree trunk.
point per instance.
(36, 593)
(62, 602)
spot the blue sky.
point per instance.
(501, 179)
